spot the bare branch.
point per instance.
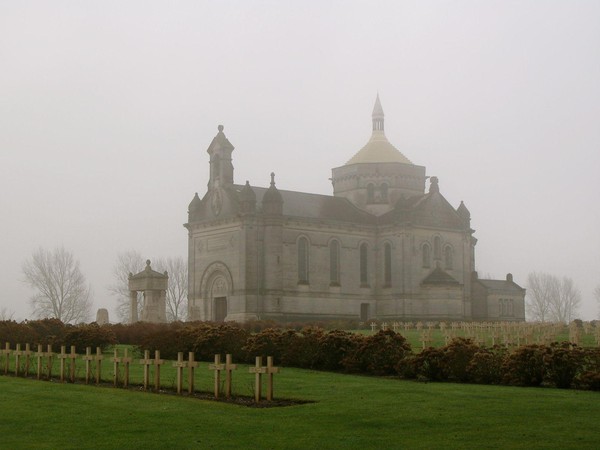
(132, 262)
(6, 314)
(127, 262)
(177, 291)
(552, 299)
(597, 296)
(62, 291)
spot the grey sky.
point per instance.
(107, 108)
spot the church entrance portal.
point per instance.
(220, 309)
(364, 312)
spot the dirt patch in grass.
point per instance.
(240, 400)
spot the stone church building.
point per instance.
(383, 246)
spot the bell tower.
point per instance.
(221, 167)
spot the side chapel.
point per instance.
(380, 247)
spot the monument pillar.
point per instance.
(133, 305)
(154, 286)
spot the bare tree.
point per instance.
(127, 262)
(177, 291)
(597, 295)
(62, 291)
(551, 299)
(132, 262)
(6, 314)
(540, 287)
(565, 303)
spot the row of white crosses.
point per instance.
(40, 355)
(228, 367)
(505, 333)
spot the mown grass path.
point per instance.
(350, 412)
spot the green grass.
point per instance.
(350, 412)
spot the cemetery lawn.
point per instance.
(349, 412)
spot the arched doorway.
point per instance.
(218, 294)
(220, 309)
(216, 289)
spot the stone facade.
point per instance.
(380, 247)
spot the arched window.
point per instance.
(426, 256)
(387, 265)
(502, 307)
(334, 263)
(302, 260)
(384, 192)
(437, 247)
(448, 257)
(370, 193)
(364, 278)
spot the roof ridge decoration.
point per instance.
(378, 149)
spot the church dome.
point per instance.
(378, 149)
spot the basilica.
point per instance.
(386, 245)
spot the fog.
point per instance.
(107, 108)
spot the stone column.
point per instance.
(133, 306)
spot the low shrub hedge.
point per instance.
(386, 352)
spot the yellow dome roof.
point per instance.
(378, 150)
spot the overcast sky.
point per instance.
(107, 108)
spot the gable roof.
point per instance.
(431, 209)
(500, 285)
(440, 277)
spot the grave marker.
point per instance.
(157, 362)
(229, 368)
(49, 355)
(88, 359)
(270, 371)
(180, 364)
(98, 359)
(191, 366)
(126, 360)
(72, 356)
(39, 355)
(217, 367)
(17, 354)
(116, 360)
(62, 356)
(27, 354)
(147, 362)
(121, 360)
(6, 353)
(258, 370)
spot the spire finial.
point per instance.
(434, 185)
(377, 115)
(220, 128)
(273, 179)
